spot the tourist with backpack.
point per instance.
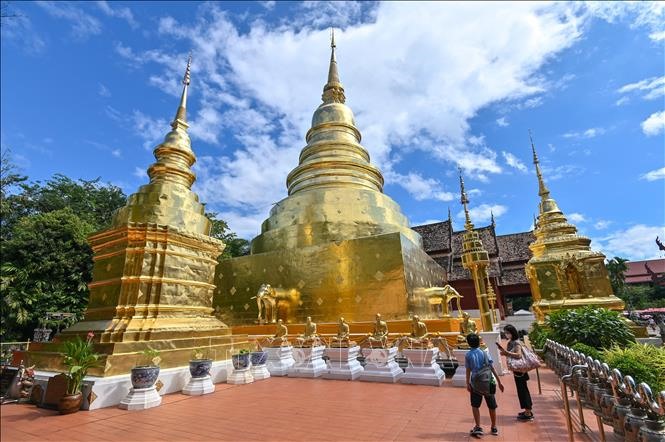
(481, 381)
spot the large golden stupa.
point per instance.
(336, 245)
(153, 272)
(564, 272)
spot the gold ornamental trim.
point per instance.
(153, 279)
(332, 125)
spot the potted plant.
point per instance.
(79, 357)
(240, 360)
(145, 376)
(200, 364)
(258, 357)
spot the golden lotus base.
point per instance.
(119, 357)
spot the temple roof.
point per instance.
(436, 236)
(515, 246)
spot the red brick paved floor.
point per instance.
(291, 409)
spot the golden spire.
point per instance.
(333, 91)
(492, 218)
(542, 188)
(181, 114)
(468, 225)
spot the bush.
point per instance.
(589, 351)
(538, 335)
(645, 363)
(599, 328)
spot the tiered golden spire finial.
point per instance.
(181, 113)
(333, 91)
(468, 225)
(543, 191)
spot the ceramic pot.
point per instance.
(70, 403)
(144, 376)
(240, 362)
(200, 368)
(258, 357)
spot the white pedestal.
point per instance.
(380, 365)
(422, 368)
(308, 362)
(199, 386)
(491, 339)
(238, 377)
(343, 363)
(459, 380)
(260, 372)
(280, 359)
(141, 399)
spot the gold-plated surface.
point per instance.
(564, 272)
(475, 259)
(466, 327)
(336, 243)
(441, 297)
(153, 271)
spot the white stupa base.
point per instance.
(380, 365)
(141, 399)
(199, 386)
(238, 377)
(280, 359)
(343, 363)
(308, 362)
(459, 379)
(422, 368)
(260, 372)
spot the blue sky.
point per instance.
(88, 90)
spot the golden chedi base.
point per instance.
(353, 279)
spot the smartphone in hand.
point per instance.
(499, 345)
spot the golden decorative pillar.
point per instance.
(153, 270)
(475, 259)
(336, 243)
(564, 272)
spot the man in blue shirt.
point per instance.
(475, 360)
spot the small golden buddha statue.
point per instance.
(379, 337)
(309, 337)
(466, 327)
(342, 338)
(280, 337)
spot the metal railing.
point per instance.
(632, 410)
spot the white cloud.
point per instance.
(502, 122)
(421, 188)
(269, 5)
(483, 212)
(83, 24)
(588, 133)
(553, 173)
(652, 88)
(20, 31)
(621, 101)
(513, 161)
(655, 124)
(151, 130)
(103, 91)
(577, 217)
(657, 36)
(635, 243)
(602, 224)
(140, 172)
(650, 15)
(123, 13)
(657, 174)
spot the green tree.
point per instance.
(235, 246)
(10, 180)
(47, 264)
(616, 268)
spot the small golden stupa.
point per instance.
(476, 260)
(153, 271)
(336, 245)
(564, 272)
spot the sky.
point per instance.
(89, 88)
